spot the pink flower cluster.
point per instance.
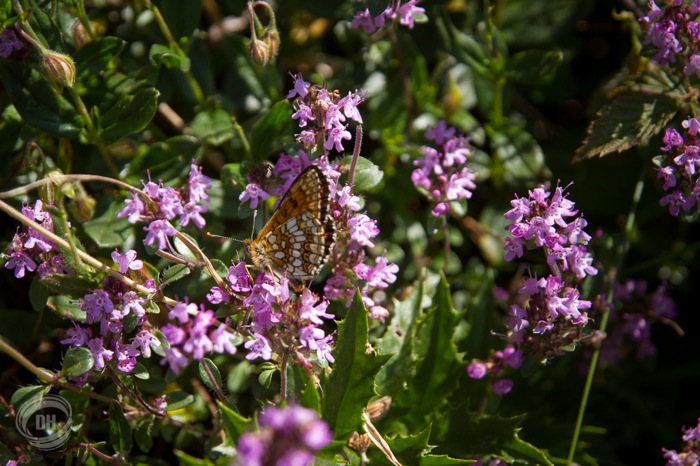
(287, 437)
(322, 114)
(31, 251)
(679, 168)
(280, 320)
(549, 314)
(690, 455)
(442, 173)
(405, 12)
(157, 205)
(674, 32)
(634, 311)
(499, 361)
(116, 328)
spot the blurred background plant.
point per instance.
(490, 132)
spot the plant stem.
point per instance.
(622, 253)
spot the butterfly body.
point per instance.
(298, 238)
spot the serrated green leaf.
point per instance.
(76, 362)
(213, 126)
(132, 113)
(174, 273)
(233, 423)
(71, 285)
(119, 429)
(38, 294)
(178, 400)
(210, 374)
(626, 122)
(399, 340)
(271, 131)
(37, 101)
(533, 66)
(350, 386)
(524, 451)
(438, 372)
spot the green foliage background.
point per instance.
(524, 85)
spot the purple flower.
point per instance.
(322, 115)
(476, 370)
(287, 437)
(182, 311)
(364, 20)
(198, 185)
(126, 261)
(159, 230)
(175, 359)
(441, 173)
(20, 261)
(406, 13)
(502, 386)
(254, 194)
(193, 212)
(690, 454)
(134, 208)
(259, 346)
(9, 43)
(99, 353)
(144, 341)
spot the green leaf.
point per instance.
(367, 174)
(131, 114)
(626, 122)
(181, 16)
(174, 273)
(143, 437)
(438, 372)
(38, 294)
(272, 131)
(521, 155)
(119, 429)
(399, 339)
(71, 285)
(233, 423)
(76, 362)
(178, 400)
(37, 101)
(210, 377)
(94, 56)
(213, 126)
(533, 66)
(183, 459)
(351, 384)
(108, 231)
(31, 393)
(163, 55)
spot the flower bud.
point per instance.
(59, 69)
(259, 52)
(80, 35)
(265, 49)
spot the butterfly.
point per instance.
(297, 240)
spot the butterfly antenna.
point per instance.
(255, 216)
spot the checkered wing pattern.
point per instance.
(299, 236)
